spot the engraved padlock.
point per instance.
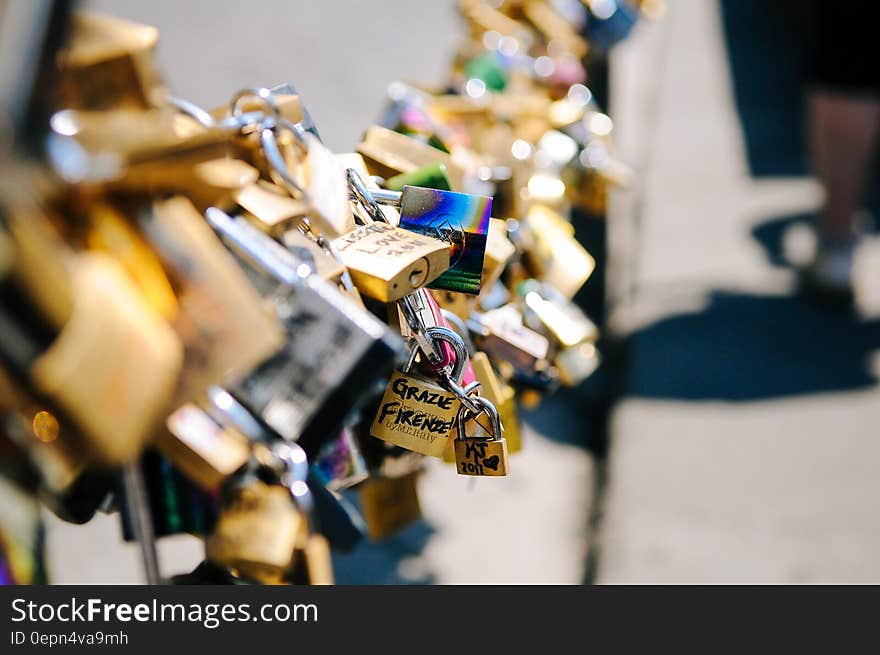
(417, 413)
(481, 455)
(335, 353)
(459, 219)
(387, 262)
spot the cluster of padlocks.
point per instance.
(212, 324)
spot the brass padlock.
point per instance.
(114, 366)
(548, 310)
(417, 413)
(109, 62)
(323, 180)
(481, 456)
(204, 451)
(390, 504)
(502, 396)
(555, 256)
(257, 531)
(271, 209)
(499, 250)
(388, 153)
(313, 564)
(387, 262)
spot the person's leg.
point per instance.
(843, 138)
(844, 124)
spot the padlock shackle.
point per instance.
(359, 193)
(262, 250)
(386, 197)
(488, 408)
(458, 348)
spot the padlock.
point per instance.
(388, 153)
(294, 158)
(257, 531)
(271, 209)
(432, 176)
(576, 363)
(417, 413)
(136, 150)
(204, 451)
(114, 366)
(504, 338)
(341, 462)
(263, 528)
(459, 219)
(481, 456)
(390, 504)
(502, 396)
(386, 262)
(336, 352)
(326, 190)
(548, 310)
(109, 63)
(499, 250)
(555, 256)
(222, 320)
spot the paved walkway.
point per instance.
(746, 447)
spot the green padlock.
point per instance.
(432, 176)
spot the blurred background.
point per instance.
(742, 418)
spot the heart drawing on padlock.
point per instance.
(491, 462)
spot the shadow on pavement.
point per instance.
(748, 347)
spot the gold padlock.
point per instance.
(313, 564)
(270, 208)
(257, 532)
(555, 256)
(390, 504)
(502, 396)
(319, 174)
(481, 456)
(499, 250)
(115, 364)
(387, 262)
(110, 63)
(204, 451)
(417, 413)
(388, 153)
